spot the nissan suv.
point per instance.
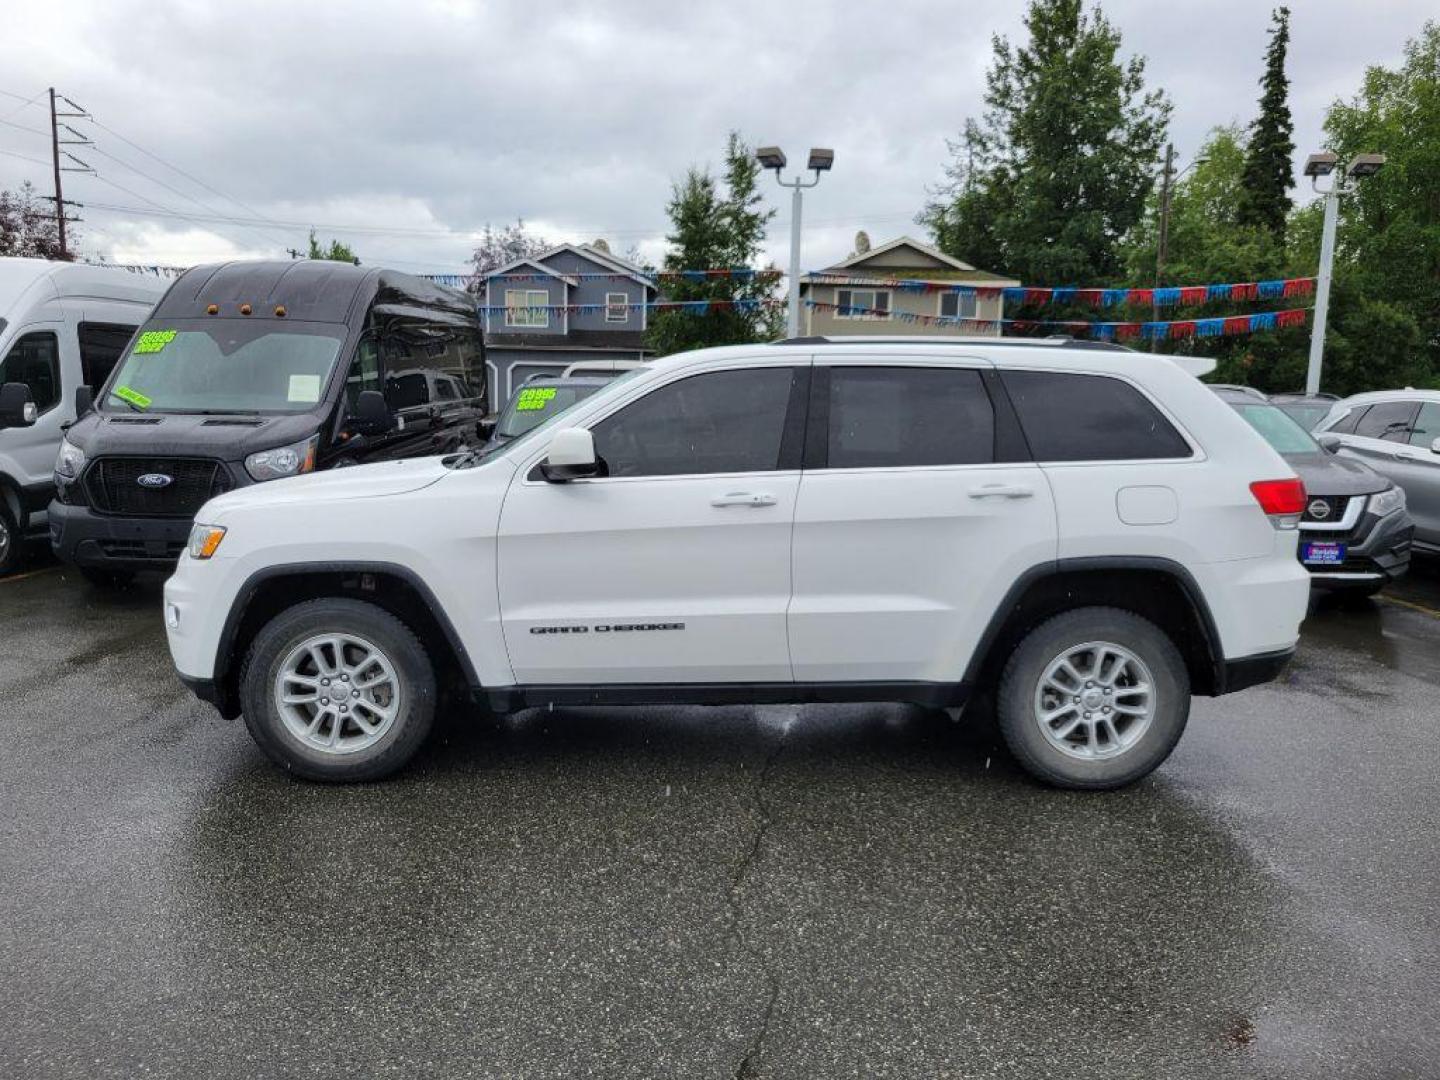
(1085, 535)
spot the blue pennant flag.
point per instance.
(1264, 321)
(1209, 327)
(1063, 295)
(1013, 295)
(1167, 297)
(1270, 290)
(696, 307)
(1217, 292)
(1114, 297)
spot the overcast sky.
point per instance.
(402, 128)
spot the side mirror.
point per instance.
(1330, 443)
(485, 427)
(571, 456)
(84, 401)
(17, 407)
(372, 415)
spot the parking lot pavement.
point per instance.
(713, 893)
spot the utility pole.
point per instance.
(55, 143)
(295, 253)
(1162, 240)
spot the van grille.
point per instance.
(112, 484)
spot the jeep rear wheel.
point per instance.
(1094, 698)
(338, 690)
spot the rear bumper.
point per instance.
(82, 537)
(1251, 671)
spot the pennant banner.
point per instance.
(1175, 296)
(690, 307)
(733, 273)
(1107, 331)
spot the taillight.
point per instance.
(1282, 500)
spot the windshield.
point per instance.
(535, 404)
(226, 365)
(1279, 430)
(1305, 414)
(506, 445)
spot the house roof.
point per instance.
(585, 251)
(548, 271)
(944, 268)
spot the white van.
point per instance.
(62, 326)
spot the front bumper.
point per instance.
(1377, 551)
(82, 537)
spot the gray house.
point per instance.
(573, 302)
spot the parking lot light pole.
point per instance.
(1316, 166)
(772, 157)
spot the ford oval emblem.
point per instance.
(154, 480)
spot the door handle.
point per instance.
(1001, 491)
(743, 498)
(1407, 455)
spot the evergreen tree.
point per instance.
(716, 227)
(1046, 183)
(1265, 194)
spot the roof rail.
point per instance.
(1056, 341)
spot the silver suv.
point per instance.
(1396, 433)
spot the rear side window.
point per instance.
(1427, 426)
(887, 417)
(1388, 420)
(1090, 418)
(1346, 424)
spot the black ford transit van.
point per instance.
(252, 371)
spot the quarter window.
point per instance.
(1090, 418)
(1427, 426)
(527, 307)
(617, 307)
(957, 305)
(34, 360)
(862, 303)
(889, 417)
(1388, 420)
(721, 422)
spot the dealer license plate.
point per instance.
(1322, 554)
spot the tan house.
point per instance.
(902, 287)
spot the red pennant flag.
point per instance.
(1126, 330)
(1238, 324)
(1089, 296)
(1290, 318)
(1182, 329)
(1247, 291)
(1143, 297)
(1192, 295)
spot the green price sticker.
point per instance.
(134, 397)
(535, 399)
(152, 341)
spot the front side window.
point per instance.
(527, 307)
(226, 365)
(617, 307)
(957, 305)
(1427, 426)
(1388, 420)
(101, 346)
(892, 417)
(1090, 418)
(364, 373)
(862, 303)
(34, 360)
(721, 422)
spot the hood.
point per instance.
(1330, 474)
(228, 437)
(355, 482)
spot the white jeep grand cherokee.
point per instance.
(1084, 533)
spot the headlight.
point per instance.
(283, 460)
(70, 460)
(204, 540)
(1387, 501)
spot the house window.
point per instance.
(861, 303)
(527, 307)
(617, 307)
(957, 305)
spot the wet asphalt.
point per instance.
(773, 892)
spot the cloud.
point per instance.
(403, 128)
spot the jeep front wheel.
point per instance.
(1094, 698)
(338, 690)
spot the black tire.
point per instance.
(12, 544)
(1016, 707)
(391, 637)
(107, 579)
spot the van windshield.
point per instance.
(226, 365)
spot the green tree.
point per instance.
(336, 252)
(716, 225)
(1386, 304)
(1269, 170)
(1055, 172)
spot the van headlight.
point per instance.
(283, 460)
(69, 461)
(205, 540)
(1387, 501)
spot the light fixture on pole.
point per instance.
(772, 157)
(1316, 166)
